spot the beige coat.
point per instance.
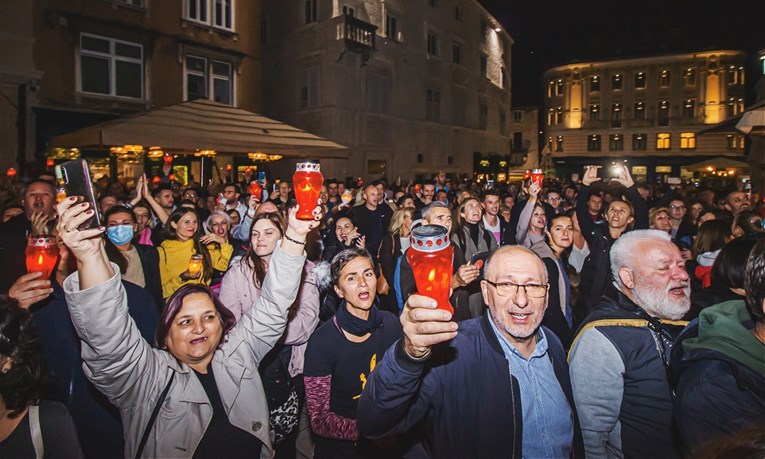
(132, 374)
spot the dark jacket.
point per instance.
(644, 411)
(98, 422)
(715, 294)
(13, 244)
(554, 318)
(150, 264)
(390, 250)
(464, 395)
(595, 278)
(373, 224)
(720, 368)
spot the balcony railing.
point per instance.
(357, 34)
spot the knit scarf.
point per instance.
(355, 326)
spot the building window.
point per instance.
(419, 158)
(551, 89)
(111, 67)
(640, 80)
(432, 104)
(639, 142)
(732, 75)
(391, 27)
(594, 112)
(311, 11)
(458, 12)
(735, 106)
(595, 84)
(459, 109)
(349, 11)
(559, 115)
(378, 92)
(133, 2)
(616, 142)
(209, 79)
(432, 44)
(689, 109)
(664, 78)
(663, 113)
(559, 88)
(731, 142)
(450, 159)
(616, 82)
(310, 87)
(639, 111)
(484, 69)
(483, 115)
(517, 116)
(662, 141)
(433, 3)
(616, 115)
(457, 53)
(222, 12)
(502, 121)
(559, 143)
(689, 78)
(551, 117)
(593, 142)
(687, 141)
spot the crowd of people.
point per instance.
(604, 318)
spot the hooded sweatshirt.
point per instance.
(720, 368)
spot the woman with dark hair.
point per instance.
(341, 233)
(342, 353)
(727, 276)
(200, 394)
(712, 236)
(392, 247)
(29, 428)
(748, 222)
(183, 241)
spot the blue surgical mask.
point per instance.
(120, 234)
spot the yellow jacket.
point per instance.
(174, 259)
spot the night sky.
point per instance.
(555, 32)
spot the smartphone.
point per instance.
(479, 259)
(490, 184)
(262, 178)
(77, 182)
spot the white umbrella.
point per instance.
(753, 120)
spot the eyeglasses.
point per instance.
(553, 199)
(674, 207)
(511, 289)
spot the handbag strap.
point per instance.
(153, 417)
(35, 431)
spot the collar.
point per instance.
(540, 349)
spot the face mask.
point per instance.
(120, 235)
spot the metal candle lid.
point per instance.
(41, 241)
(537, 171)
(430, 238)
(308, 166)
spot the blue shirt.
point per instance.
(548, 425)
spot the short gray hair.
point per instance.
(433, 205)
(624, 249)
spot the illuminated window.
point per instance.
(687, 141)
(616, 82)
(663, 113)
(731, 142)
(593, 142)
(689, 109)
(559, 143)
(616, 115)
(733, 75)
(594, 84)
(551, 117)
(735, 106)
(551, 88)
(616, 142)
(662, 141)
(640, 80)
(639, 111)
(664, 78)
(689, 78)
(594, 112)
(639, 142)
(559, 115)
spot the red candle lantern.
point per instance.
(537, 176)
(155, 180)
(11, 172)
(167, 159)
(50, 162)
(41, 255)
(526, 175)
(307, 183)
(256, 190)
(431, 257)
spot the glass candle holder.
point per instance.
(307, 183)
(256, 190)
(41, 255)
(537, 176)
(195, 264)
(430, 255)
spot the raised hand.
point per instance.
(624, 176)
(465, 274)
(39, 223)
(534, 190)
(29, 289)
(83, 243)
(590, 175)
(212, 237)
(425, 325)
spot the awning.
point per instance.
(203, 125)
(718, 163)
(753, 120)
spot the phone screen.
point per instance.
(77, 182)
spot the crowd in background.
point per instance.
(300, 338)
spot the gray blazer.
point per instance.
(132, 374)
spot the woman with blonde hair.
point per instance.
(393, 246)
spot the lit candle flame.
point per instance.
(432, 275)
(40, 260)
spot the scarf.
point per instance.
(356, 326)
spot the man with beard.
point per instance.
(736, 201)
(497, 387)
(620, 358)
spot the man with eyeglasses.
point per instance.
(496, 387)
(682, 228)
(556, 202)
(620, 357)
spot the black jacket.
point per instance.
(150, 264)
(13, 243)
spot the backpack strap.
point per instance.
(36, 431)
(154, 413)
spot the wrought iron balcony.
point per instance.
(357, 34)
